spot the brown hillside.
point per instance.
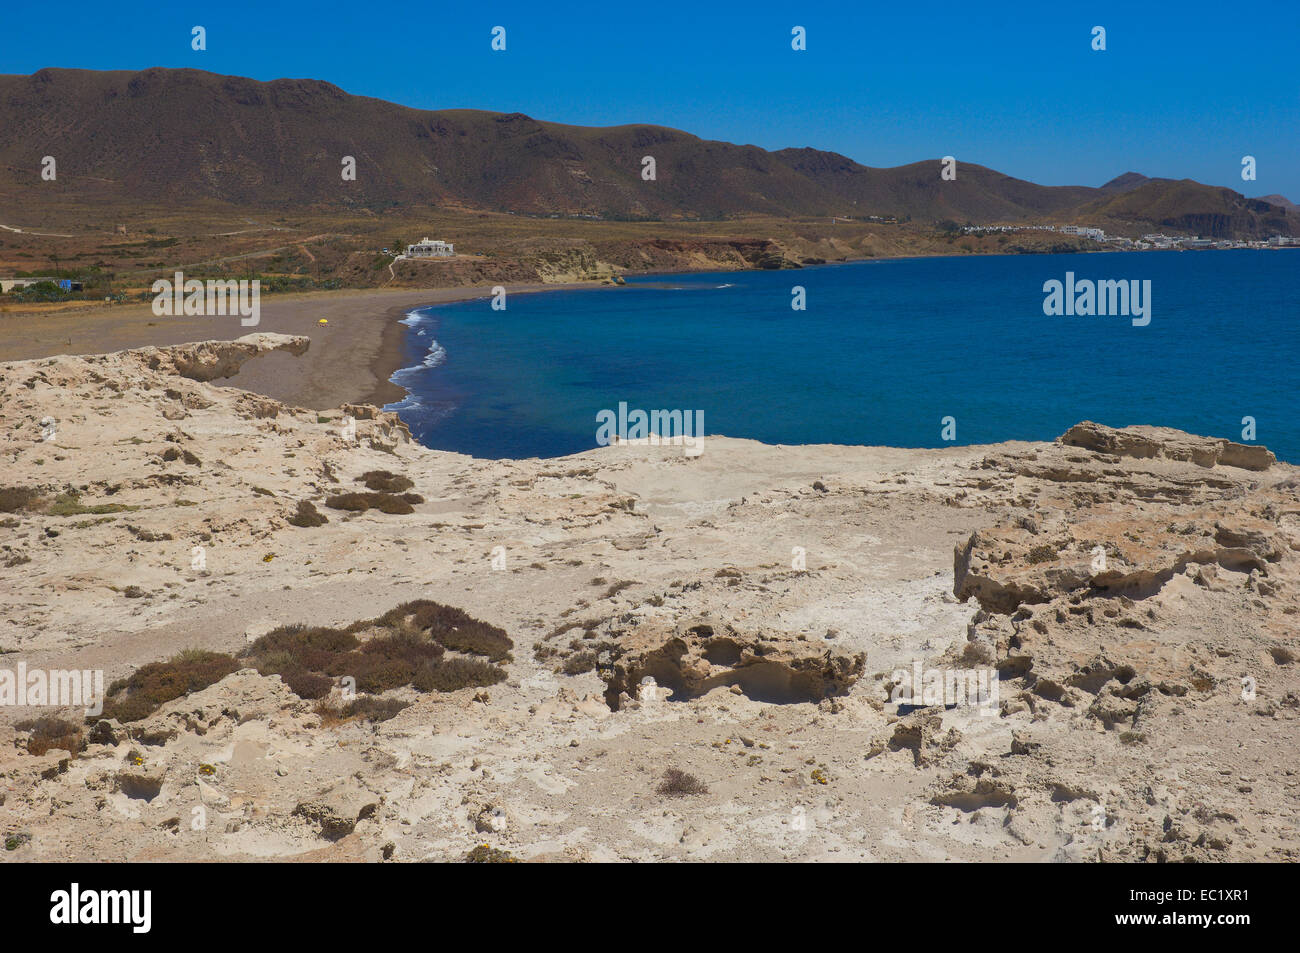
(185, 137)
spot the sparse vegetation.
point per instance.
(367, 707)
(580, 662)
(17, 499)
(307, 515)
(1044, 553)
(176, 453)
(384, 502)
(483, 854)
(408, 645)
(69, 504)
(49, 733)
(677, 783)
(384, 482)
(616, 588)
(14, 841)
(408, 649)
(153, 685)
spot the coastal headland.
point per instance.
(323, 641)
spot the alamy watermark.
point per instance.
(962, 687)
(132, 908)
(54, 688)
(215, 297)
(1131, 298)
(655, 427)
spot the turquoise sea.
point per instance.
(881, 354)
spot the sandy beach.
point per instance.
(350, 359)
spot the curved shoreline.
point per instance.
(350, 359)
(393, 355)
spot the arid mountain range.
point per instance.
(186, 137)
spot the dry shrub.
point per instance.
(409, 649)
(616, 588)
(299, 640)
(48, 733)
(408, 646)
(157, 683)
(678, 783)
(456, 673)
(175, 453)
(384, 502)
(579, 662)
(353, 502)
(385, 482)
(305, 657)
(306, 684)
(16, 499)
(451, 628)
(395, 505)
(307, 515)
(373, 710)
(483, 854)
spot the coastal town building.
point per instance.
(1158, 242)
(1083, 231)
(1161, 241)
(429, 248)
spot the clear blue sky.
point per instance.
(1183, 90)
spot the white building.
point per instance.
(428, 248)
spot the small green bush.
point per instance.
(69, 504)
(483, 854)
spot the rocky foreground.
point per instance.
(659, 656)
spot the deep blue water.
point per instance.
(884, 351)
